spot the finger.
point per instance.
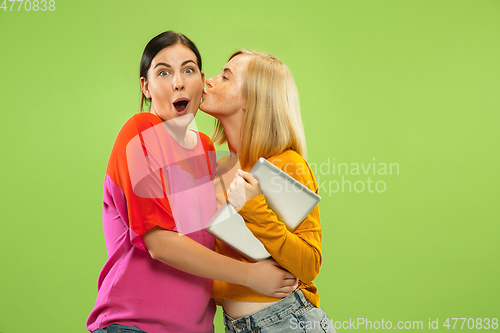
(248, 177)
(289, 275)
(229, 196)
(284, 292)
(289, 282)
(239, 180)
(248, 187)
(233, 183)
(287, 289)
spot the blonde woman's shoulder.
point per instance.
(286, 157)
(295, 166)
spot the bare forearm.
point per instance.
(182, 253)
(185, 254)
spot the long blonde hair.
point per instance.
(272, 122)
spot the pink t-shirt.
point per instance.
(153, 181)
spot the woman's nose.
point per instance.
(209, 82)
(178, 83)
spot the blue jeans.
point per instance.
(292, 314)
(117, 328)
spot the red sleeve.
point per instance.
(136, 167)
(210, 153)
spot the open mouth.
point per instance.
(181, 105)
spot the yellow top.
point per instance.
(299, 252)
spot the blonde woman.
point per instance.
(255, 102)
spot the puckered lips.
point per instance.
(181, 105)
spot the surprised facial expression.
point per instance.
(174, 83)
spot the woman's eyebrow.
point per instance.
(187, 62)
(167, 65)
(226, 70)
(162, 64)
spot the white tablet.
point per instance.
(288, 198)
(228, 226)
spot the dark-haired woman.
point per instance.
(158, 197)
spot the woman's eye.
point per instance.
(163, 73)
(224, 77)
(189, 70)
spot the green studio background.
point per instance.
(401, 111)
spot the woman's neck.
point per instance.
(232, 127)
(179, 133)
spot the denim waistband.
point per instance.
(296, 304)
(117, 328)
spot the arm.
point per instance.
(140, 161)
(299, 252)
(183, 253)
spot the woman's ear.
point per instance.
(145, 87)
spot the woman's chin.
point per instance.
(181, 121)
(209, 112)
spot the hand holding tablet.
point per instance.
(288, 198)
(243, 188)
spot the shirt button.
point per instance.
(239, 325)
